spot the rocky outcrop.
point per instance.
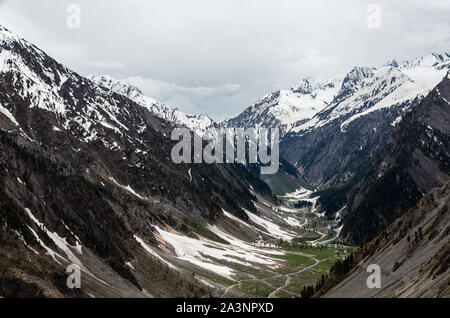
(415, 160)
(412, 253)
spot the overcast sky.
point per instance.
(220, 56)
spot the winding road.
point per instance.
(277, 275)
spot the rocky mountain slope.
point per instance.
(415, 160)
(413, 254)
(355, 126)
(284, 181)
(333, 147)
(86, 176)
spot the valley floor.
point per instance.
(293, 249)
(277, 252)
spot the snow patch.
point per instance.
(128, 189)
(272, 229)
(8, 115)
(201, 252)
(152, 252)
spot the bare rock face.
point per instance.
(412, 253)
(415, 160)
(339, 141)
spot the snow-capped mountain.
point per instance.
(414, 264)
(365, 90)
(355, 125)
(287, 108)
(430, 60)
(197, 123)
(362, 90)
(414, 161)
(346, 118)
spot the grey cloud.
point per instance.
(106, 65)
(189, 98)
(190, 51)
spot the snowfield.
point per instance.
(272, 229)
(205, 253)
(303, 195)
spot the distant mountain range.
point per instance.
(412, 253)
(345, 118)
(287, 109)
(312, 104)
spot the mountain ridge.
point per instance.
(414, 160)
(412, 254)
(196, 123)
(284, 113)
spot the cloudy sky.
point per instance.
(220, 56)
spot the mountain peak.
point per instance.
(118, 86)
(8, 38)
(6, 34)
(306, 86)
(355, 76)
(287, 108)
(392, 63)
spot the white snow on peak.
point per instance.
(272, 229)
(197, 123)
(355, 76)
(365, 90)
(7, 36)
(152, 252)
(72, 252)
(8, 115)
(311, 103)
(287, 108)
(59, 241)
